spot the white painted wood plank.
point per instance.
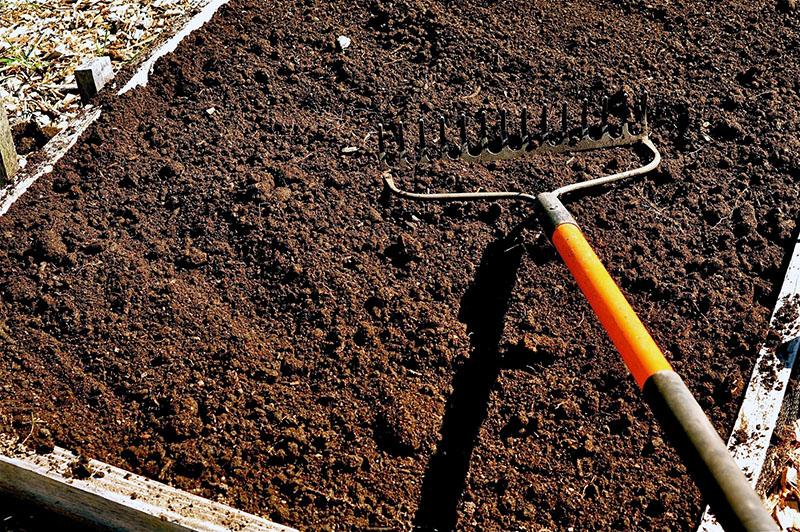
(114, 498)
(758, 415)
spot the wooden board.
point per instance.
(114, 498)
(758, 415)
(9, 163)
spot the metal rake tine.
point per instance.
(503, 127)
(482, 121)
(604, 112)
(442, 134)
(462, 124)
(643, 109)
(381, 143)
(626, 108)
(523, 124)
(421, 123)
(585, 115)
(543, 121)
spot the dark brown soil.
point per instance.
(30, 136)
(222, 300)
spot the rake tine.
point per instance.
(604, 113)
(421, 123)
(523, 125)
(626, 109)
(462, 124)
(503, 128)
(381, 144)
(483, 137)
(564, 119)
(543, 121)
(584, 115)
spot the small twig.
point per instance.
(33, 426)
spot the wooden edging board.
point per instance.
(89, 490)
(100, 494)
(758, 415)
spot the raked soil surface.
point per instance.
(209, 292)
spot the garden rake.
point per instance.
(720, 479)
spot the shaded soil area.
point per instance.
(17, 516)
(209, 292)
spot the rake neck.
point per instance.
(608, 179)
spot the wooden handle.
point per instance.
(634, 343)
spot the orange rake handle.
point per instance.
(726, 489)
(634, 343)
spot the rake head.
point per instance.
(504, 142)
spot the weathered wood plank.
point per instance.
(113, 498)
(9, 162)
(92, 76)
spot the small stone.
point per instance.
(211, 110)
(343, 42)
(349, 149)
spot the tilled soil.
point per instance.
(207, 291)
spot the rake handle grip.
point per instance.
(629, 335)
(722, 482)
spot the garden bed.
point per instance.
(209, 292)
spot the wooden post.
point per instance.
(8, 154)
(92, 76)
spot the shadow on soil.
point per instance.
(483, 310)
